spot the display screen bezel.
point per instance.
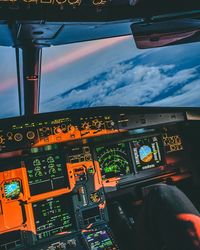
(85, 237)
(146, 166)
(69, 209)
(128, 159)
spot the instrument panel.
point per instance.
(56, 175)
(54, 128)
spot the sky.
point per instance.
(107, 72)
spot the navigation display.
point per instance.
(54, 216)
(99, 240)
(46, 173)
(147, 152)
(113, 160)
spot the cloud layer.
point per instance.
(128, 84)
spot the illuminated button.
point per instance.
(30, 135)
(97, 123)
(57, 130)
(95, 197)
(60, 2)
(2, 140)
(87, 157)
(46, 1)
(110, 124)
(86, 126)
(63, 127)
(74, 2)
(30, 1)
(18, 137)
(10, 136)
(44, 129)
(91, 170)
(34, 150)
(71, 128)
(71, 243)
(99, 2)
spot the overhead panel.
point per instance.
(90, 10)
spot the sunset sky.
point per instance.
(107, 72)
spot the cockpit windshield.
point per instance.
(8, 83)
(107, 72)
(113, 72)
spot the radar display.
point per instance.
(147, 153)
(113, 160)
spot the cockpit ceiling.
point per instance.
(58, 33)
(46, 34)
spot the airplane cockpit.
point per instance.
(76, 179)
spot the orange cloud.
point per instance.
(9, 83)
(71, 57)
(82, 52)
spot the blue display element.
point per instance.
(145, 153)
(12, 189)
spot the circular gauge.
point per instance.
(85, 126)
(30, 135)
(113, 161)
(71, 128)
(146, 154)
(97, 124)
(63, 127)
(18, 137)
(57, 130)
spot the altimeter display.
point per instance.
(113, 160)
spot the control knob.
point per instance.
(18, 137)
(30, 135)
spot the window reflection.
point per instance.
(8, 83)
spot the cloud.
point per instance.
(188, 96)
(128, 85)
(9, 104)
(74, 74)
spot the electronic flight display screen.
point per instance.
(148, 152)
(113, 160)
(54, 216)
(12, 189)
(46, 173)
(99, 240)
